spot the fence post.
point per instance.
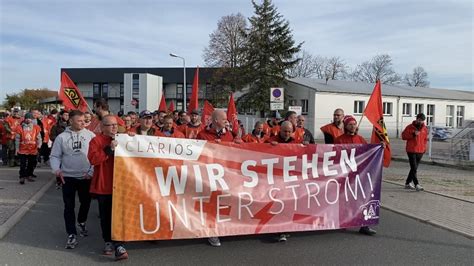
(430, 138)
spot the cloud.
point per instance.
(40, 37)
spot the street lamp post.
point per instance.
(184, 80)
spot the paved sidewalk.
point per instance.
(16, 199)
(446, 212)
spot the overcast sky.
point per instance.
(38, 37)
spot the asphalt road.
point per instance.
(39, 238)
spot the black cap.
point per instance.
(145, 113)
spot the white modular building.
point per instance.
(401, 104)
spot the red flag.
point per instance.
(232, 115)
(70, 95)
(206, 113)
(374, 112)
(162, 103)
(171, 108)
(193, 103)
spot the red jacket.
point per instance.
(280, 140)
(350, 139)
(251, 138)
(415, 144)
(271, 130)
(331, 132)
(211, 134)
(3, 134)
(191, 131)
(102, 181)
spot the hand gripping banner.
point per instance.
(166, 188)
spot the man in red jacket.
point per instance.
(416, 135)
(101, 156)
(168, 130)
(350, 136)
(218, 133)
(335, 129)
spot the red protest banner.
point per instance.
(167, 188)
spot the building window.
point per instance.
(105, 90)
(449, 115)
(96, 91)
(460, 116)
(189, 90)
(304, 106)
(136, 90)
(359, 107)
(406, 109)
(387, 108)
(430, 112)
(121, 95)
(418, 108)
(179, 105)
(179, 91)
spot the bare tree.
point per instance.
(379, 67)
(226, 43)
(318, 67)
(419, 78)
(306, 67)
(336, 68)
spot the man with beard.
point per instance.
(271, 127)
(192, 129)
(257, 135)
(145, 126)
(335, 129)
(60, 126)
(308, 136)
(27, 142)
(168, 130)
(101, 108)
(416, 135)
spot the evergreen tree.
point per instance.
(269, 54)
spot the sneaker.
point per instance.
(409, 186)
(30, 179)
(121, 253)
(282, 238)
(82, 229)
(367, 231)
(108, 248)
(419, 188)
(22, 180)
(71, 241)
(214, 241)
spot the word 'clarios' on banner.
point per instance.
(166, 188)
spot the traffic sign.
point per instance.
(277, 106)
(276, 95)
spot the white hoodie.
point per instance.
(69, 153)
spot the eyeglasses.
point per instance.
(110, 125)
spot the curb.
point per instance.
(395, 210)
(16, 217)
(432, 192)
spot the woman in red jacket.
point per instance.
(416, 135)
